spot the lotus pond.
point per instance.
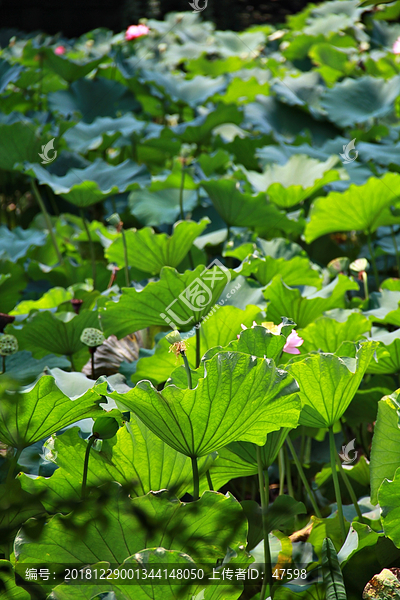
(200, 322)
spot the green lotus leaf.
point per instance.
(304, 309)
(296, 271)
(84, 187)
(23, 368)
(150, 252)
(361, 207)
(246, 210)
(179, 300)
(328, 384)
(29, 416)
(389, 501)
(289, 184)
(239, 459)
(257, 341)
(354, 101)
(241, 398)
(58, 333)
(66, 67)
(102, 133)
(388, 354)
(8, 73)
(220, 327)
(13, 281)
(385, 451)
(50, 299)
(193, 92)
(332, 62)
(20, 141)
(136, 457)
(199, 130)
(16, 243)
(11, 590)
(327, 333)
(385, 307)
(93, 98)
(204, 529)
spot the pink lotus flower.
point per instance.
(59, 50)
(135, 31)
(292, 342)
(396, 46)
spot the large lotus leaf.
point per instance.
(135, 457)
(385, 307)
(13, 280)
(180, 300)
(245, 210)
(239, 459)
(327, 334)
(67, 67)
(304, 309)
(358, 100)
(220, 327)
(50, 299)
(20, 141)
(257, 341)
(152, 560)
(241, 398)
(295, 181)
(331, 62)
(296, 271)
(199, 130)
(385, 451)
(193, 92)
(389, 501)
(23, 368)
(204, 529)
(58, 333)
(101, 134)
(328, 384)
(93, 98)
(11, 590)
(84, 187)
(388, 354)
(150, 252)
(161, 206)
(236, 93)
(30, 416)
(16, 243)
(362, 208)
(8, 74)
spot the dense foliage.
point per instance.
(242, 190)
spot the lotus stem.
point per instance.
(281, 461)
(303, 477)
(373, 261)
(86, 464)
(288, 473)
(365, 282)
(349, 487)
(46, 215)
(210, 485)
(187, 369)
(92, 351)
(127, 278)
(335, 478)
(266, 589)
(92, 254)
(181, 190)
(396, 249)
(197, 347)
(4, 365)
(13, 464)
(196, 481)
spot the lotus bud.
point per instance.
(359, 265)
(338, 265)
(105, 428)
(8, 345)
(92, 337)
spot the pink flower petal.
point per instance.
(59, 50)
(135, 31)
(396, 46)
(292, 342)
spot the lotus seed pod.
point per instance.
(338, 265)
(105, 428)
(359, 265)
(8, 345)
(92, 337)
(174, 337)
(114, 220)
